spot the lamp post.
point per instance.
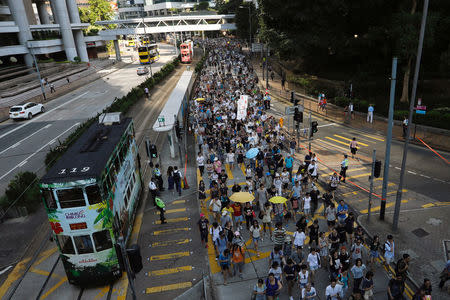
(38, 72)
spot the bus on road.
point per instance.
(91, 194)
(187, 52)
(148, 54)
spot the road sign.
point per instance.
(420, 112)
(257, 47)
(421, 107)
(290, 110)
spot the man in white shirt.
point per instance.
(153, 190)
(201, 163)
(334, 291)
(312, 170)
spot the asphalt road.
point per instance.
(426, 173)
(24, 144)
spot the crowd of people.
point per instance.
(224, 137)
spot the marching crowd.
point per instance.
(225, 136)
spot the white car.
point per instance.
(142, 70)
(25, 111)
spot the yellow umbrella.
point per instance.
(200, 99)
(242, 197)
(277, 199)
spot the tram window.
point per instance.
(49, 199)
(65, 244)
(93, 194)
(71, 198)
(84, 244)
(102, 240)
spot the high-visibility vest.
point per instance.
(345, 163)
(160, 203)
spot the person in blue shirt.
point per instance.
(225, 263)
(289, 162)
(370, 114)
(342, 211)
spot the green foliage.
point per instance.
(23, 190)
(77, 59)
(434, 118)
(199, 65)
(119, 105)
(301, 81)
(201, 6)
(244, 14)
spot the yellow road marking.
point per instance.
(199, 177)
(428, 205)
(172, 242)
(165, 231)
(173, 210)
(347, 139)
(44, 273)
(394, 192)
(169, 287)
(349, 193)
(359, 175)
(169, 271)
(348, 171)
(243, 169)
(44, 255)
(337, 141)
(373, 137)
(229, 172)
(170, 255)
(13, 276)
(364, 139)
(377, 208)
(442, 203)
(321, 207)
(333, 145)
(53, 288)
(136, 228)
(174, 220)
(179, 201)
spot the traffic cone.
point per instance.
(186, 186)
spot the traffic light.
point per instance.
(314, 125)
(377, 170)
(292, 96)
(153, 151)
(298, 116)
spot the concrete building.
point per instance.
(55, 28)
(129, 9)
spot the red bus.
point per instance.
(186, 51)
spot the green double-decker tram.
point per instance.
(91, 194)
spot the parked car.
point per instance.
(142, 70)
(25, 111)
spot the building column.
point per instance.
(65, 29)
(53, 7)
(78, 34)
(42, 11)
(117, 50)
(18, 12)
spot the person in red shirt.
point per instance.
(238, 218)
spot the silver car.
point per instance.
(142, 70)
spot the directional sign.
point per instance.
(290, 110)
(421, 107)
(420, 112)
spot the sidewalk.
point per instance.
(435, 137)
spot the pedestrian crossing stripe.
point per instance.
(179, 202)
(170, 255)
(171, 211)
(229, 172)
(337, 141)
(199, 177)
(171, 242)
(169, 271)
(167, 231)
(332, 145)
(347, 139)
(243, 169)
(348, 171)
(359, 175)
(169, 287)
(377, 208)
(373, 137)
(173, 220)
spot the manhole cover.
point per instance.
(419, 232)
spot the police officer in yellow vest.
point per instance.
(161, 206)
(344, 167)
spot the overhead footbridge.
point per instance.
(168, 24)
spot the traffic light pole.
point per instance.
(387, 155)
(130, 275)
(372, 174)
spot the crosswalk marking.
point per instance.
(169, 243)
(169, 287)
(332, 145)
(173, 210)
(243, 169)
(179, 202)
(348, 171)
(377, 208)
(373, 137)
(359, 175)
(170, 255)
(169, 271)
(173, 220)
(167, 231)
(229, 172)
(337, 141)
(347, 139)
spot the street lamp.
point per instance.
(250, 25)
(37, 70)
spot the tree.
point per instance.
(98, 10)
(23, 190)
(243, 13)
(201, 6)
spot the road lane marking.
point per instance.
(199, 177)
(243, 169)
(169, 271)
(348, 171)
(347, 139)
(373, 137)
(377, 208)
(332, 145)
(170, 255)
(37, 151)
(22, 163)
(229, 172)
(5, 270)
(425, 176)
(331, 124)
(167, 231)
(53, 288)
(179, 201)
(411, 172)
(170, 243)
(337, 141)
(169, 287)
(359, 175)
(19, 142)
(174, 210)
(37, 118)
(428, 205)
(173, 220)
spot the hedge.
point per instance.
(122, 104)
(199, 65)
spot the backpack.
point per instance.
(176, 175)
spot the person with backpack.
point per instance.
(238, 258)
(395, 289)
(389, 250)
(177, 179)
